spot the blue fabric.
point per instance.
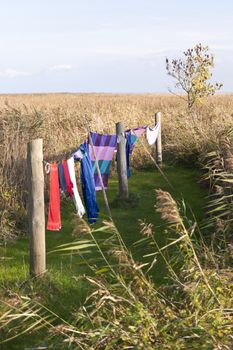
(62, 180)
(88, 184)
(132, 137)
(128, 151)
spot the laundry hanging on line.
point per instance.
(62, 179)
(54, 215)
(69, 184)
(128, 152)
(87, 181)
(76, 197)
(132, 137)
(135, 134)
(63, 174)
(152, 134)
(103, 148)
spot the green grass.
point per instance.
(59, 289)
(185, 187)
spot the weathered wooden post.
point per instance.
(159, 157)
(36, 211)
(121, 161)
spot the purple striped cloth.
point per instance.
(104, 146)
(135, 134)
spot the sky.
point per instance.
(108, 45)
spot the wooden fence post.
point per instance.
(159, 157)
(36, 212)
(121, 161)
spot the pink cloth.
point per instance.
(103, 152)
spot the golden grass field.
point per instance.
(60, 118)
(62, 121)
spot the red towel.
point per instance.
(54, 216)
(69, 183)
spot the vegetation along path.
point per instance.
(60, 289)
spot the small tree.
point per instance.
(192, 74)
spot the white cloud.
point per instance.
(12, 73)
(59, 67)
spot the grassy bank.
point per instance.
(59, 289)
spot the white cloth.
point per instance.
(152, 134)
(76, 197)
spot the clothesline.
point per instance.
(157, 127)
(63, 179)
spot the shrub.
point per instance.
(192, 74)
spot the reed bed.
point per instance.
(62, 120)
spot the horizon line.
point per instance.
(105, 93)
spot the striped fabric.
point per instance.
(104, 146)
(134, 136)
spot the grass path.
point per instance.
(59, 290)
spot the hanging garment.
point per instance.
(69, 184)
(152, 134)
(54, 215)
(62, 179)
(132, 137)
(135, 135)
(104, 146)
(87, 181)
(127, 149)
(76, 197)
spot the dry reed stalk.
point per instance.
(59, 120)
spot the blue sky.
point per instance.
(108, 45)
